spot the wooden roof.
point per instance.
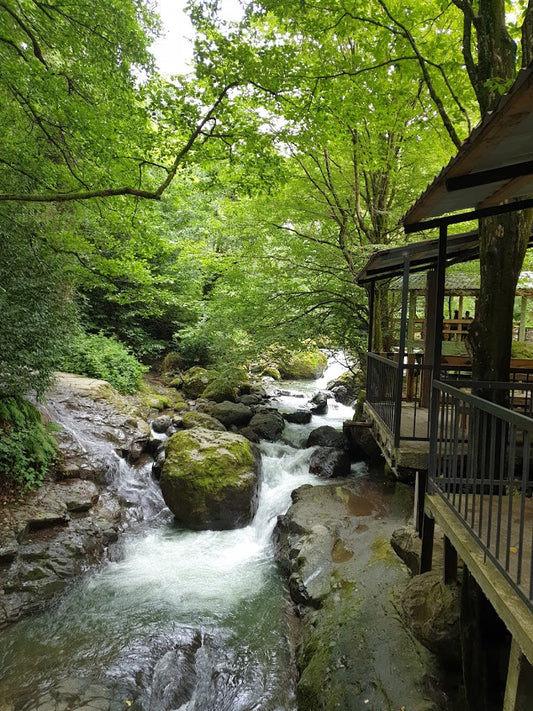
(493, 169)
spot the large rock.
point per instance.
(329, 463)
(201, 419)
(220, 390)
(231, 413)
(194, 381)
(298, 417)
(355, 651)
(267, 424)
(326, 436)
(319, 403)
(432, 609)
(210, 480)
(303, 365)
(346, 387)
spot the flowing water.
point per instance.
(195, 621)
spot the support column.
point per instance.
(519, 686)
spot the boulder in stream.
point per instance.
(329, 463)
(319, 403)
(267, 424)
(231, 413)
(326, 436)
(210, 480)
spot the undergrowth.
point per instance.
(27, 449)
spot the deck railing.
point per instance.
(396, 393)
(481, 464)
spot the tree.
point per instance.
(327, 89)
(491, 58)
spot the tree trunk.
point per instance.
(502, 239)
(503, 243)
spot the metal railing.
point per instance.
(481, 464)
(396, 394)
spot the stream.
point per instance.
(192, 621)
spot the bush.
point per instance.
(27, 449)
(98, 356)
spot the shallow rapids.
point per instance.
(195, 621)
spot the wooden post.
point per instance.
(420, 494)
(519, 686)
(450, 561)
(429, 335)
(426, 555)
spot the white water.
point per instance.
(117, 625)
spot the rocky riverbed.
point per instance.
(353, 649)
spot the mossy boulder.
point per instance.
(346, 387)
(201, 419)
(231, 413)
(194, 381)
(172, 363)
(303, 365)
(210, 480)
(221, 389)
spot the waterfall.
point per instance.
(195, 621)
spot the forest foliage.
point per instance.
(224, 211)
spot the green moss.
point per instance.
(221, 389)
(522, 350)
(195, 381)
(303, 365)
(382, 552)
(172, 363)
(158, 402)
(213, 461)
(200, 419)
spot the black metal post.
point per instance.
(401, 352)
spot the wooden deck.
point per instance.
(511, 607)
(495, 520)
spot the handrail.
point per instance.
(480, 462)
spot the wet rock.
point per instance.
(201, 419)
(250, 435)
(251, 399)
(298, 417)
(210, 480)
(267, 424)
(161, 424)
(432, 610)
(361, 441)
(407, 546)
(194, 381)
(355, 651)
(329, 463)
(231, 413)
(326, 436)
(346, 387)
(175, 676)
(8, 545)
(319, 403)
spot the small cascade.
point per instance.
(196, 621)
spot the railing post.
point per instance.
(426, 554)
(401, 353)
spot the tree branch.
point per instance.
(36, 49)
(124, 190)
